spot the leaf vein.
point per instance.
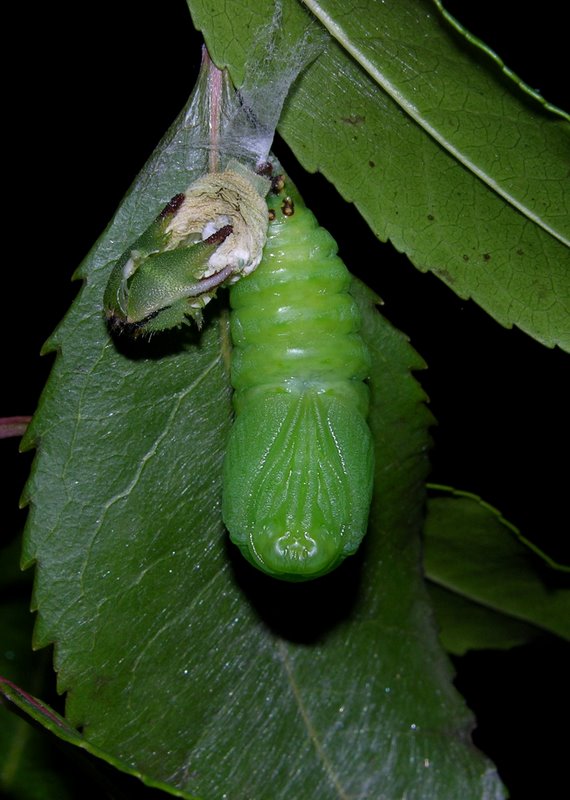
(311, 732)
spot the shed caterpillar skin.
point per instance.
(299, 465)
(207, 237)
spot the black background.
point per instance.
(90, 93)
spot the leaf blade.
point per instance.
(180, 660)
(407, 187)
(465, 625)
(471, 551)
(411, 56)
(52, 722)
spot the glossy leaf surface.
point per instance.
(180, 661)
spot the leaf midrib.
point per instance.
(311, 732)
(339, 34)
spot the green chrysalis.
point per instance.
(298, 468)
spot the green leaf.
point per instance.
(12, 579)
(196, 670)
(182, 662)
(487, 578)
(466, 625)
(442, 151)
(34, 781)
(496, 519)
(27, 768)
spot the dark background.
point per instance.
(101, 85)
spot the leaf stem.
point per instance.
(13, 426)
(215, 92)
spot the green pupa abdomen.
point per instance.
(299, 464)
